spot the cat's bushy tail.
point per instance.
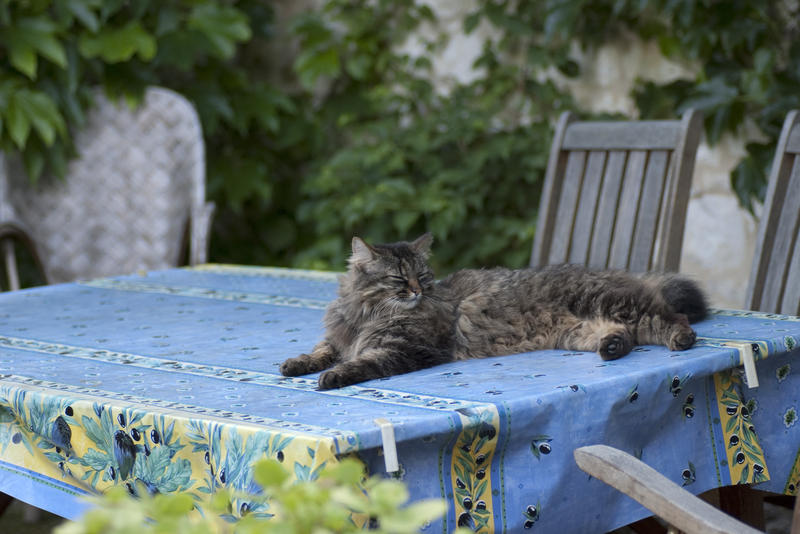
(685, 296)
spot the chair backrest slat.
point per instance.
(783, 245)
(622, 135)
(791, 293)
(650, 203)
(793, 143)
(611, 192)
(568, 204)
(587, 208)
(774, 284)
(627, 210)
(607, 206)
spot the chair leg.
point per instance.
(648, 525)
(31, 514)
(5, 502)
(11, 264)
(743, 502)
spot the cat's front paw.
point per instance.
(295, 366)
(615, 345)
(334, 379)
(681, 338)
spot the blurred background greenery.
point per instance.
(325, 125)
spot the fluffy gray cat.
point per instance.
(393, 317)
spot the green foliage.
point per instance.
(333, 503)
(749, 59)
(466, 166)
(351, 136)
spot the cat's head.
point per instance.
(395, 274)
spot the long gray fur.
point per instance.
(392, 317)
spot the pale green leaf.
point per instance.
(43, 114)
(49, 47)
(23, 58)
(117, 45)
(18, 124)
(81, 10)
(33, 160)
(269, 473)
(224, 27)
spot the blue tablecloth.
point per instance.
(169, 381)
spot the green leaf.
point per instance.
(81, 10)
(17, 123)
(347, 471)
(471, 21)
(33, 160)
(270, 473)
(43, 114)
(29, 36)
(388, 494)
(223, 26)
(23, 58)
(49, 47)
(314, 64)
(173, 505)
(116, 45)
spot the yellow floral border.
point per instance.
(744, 454)
(470, 469)
(793, 481)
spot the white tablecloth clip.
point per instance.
(389, 445)
(748, 358)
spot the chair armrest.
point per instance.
(655, 492)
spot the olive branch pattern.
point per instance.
(743, 451)
(793, 482)
(94, 446)
(471, 468)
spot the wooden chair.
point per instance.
(678, 507)
(774, 284)
(132, 199)
(615, 193)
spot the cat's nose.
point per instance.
(414, 286)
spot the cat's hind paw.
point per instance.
(615, 345)
(296, 366)
(681, 338)
(334, 379)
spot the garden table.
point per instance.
(168, 381)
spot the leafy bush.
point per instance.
(350, 136)
(324, 505)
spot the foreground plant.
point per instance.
(341, 501)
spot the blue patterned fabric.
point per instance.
(169, 382)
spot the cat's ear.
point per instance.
(362, 252)
(422, 244)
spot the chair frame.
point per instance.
(197, 223)
(776, 270)
(11, 231)
(571, 136)
(657, 493)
